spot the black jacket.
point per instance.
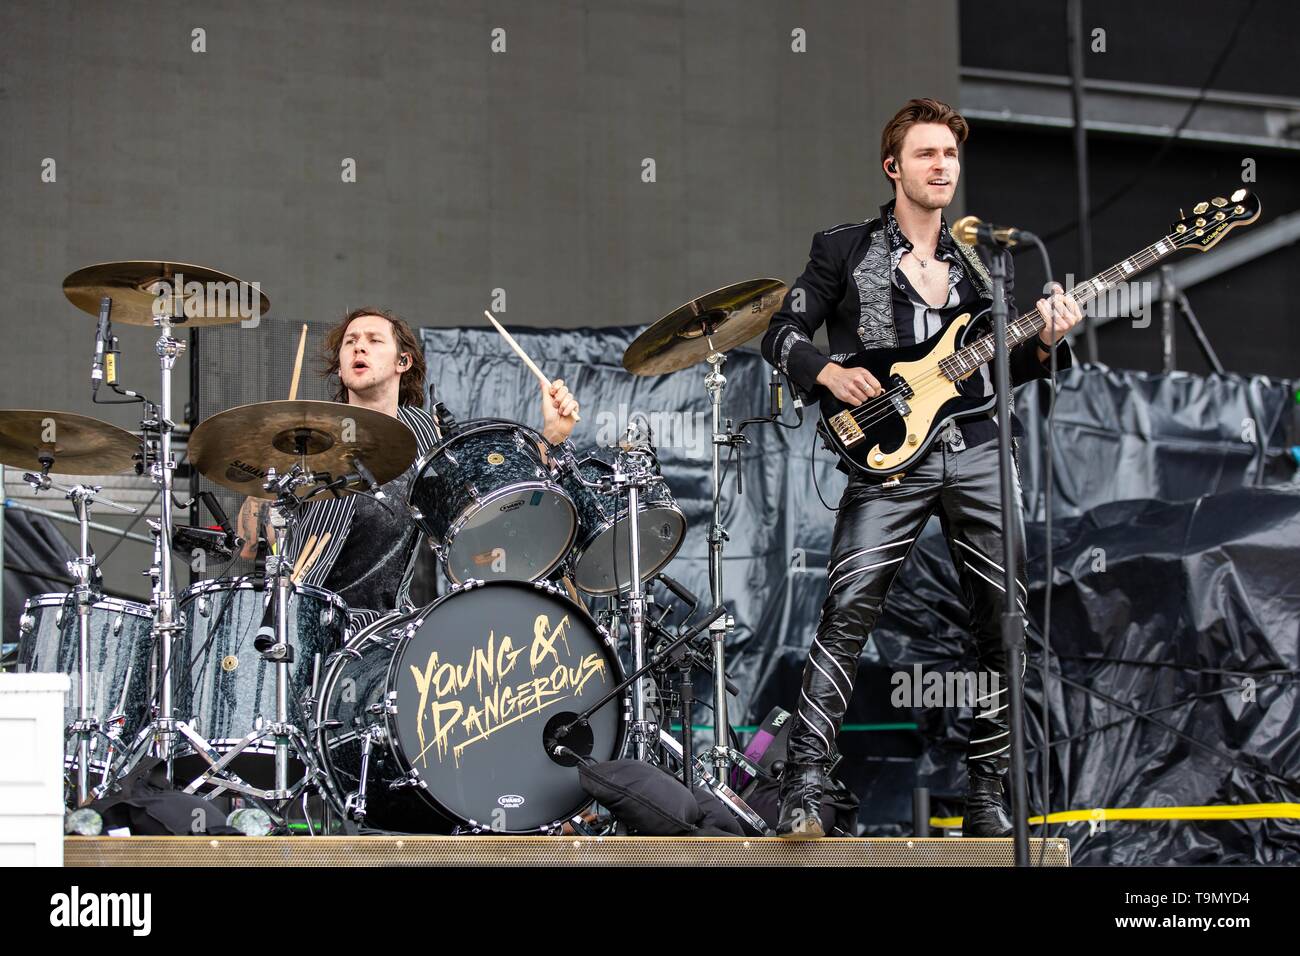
(840, 287)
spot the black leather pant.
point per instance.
(874, 531)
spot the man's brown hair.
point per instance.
(411, 390)
(919, 111)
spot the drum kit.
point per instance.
(467, 715)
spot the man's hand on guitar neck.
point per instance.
(1060, 314)
(852, 386)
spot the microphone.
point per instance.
(369, 478)
(101, 336)
(973, 232)
(635, 437)
(265, 639)
(680, 590)
(444, 423)
(219, 515)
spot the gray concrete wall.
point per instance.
(476, 170)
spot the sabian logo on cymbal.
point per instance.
(241, 471)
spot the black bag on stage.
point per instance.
(652, 802)
(148, 805)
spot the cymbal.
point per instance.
(236, 447)
(716, 322)
(137, 286)
(81, 445)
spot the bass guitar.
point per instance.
(929, 384)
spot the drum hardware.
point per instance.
(275, 440)
(86, 577)
(632, 473)
(704, 330)
(564, 731)
(705, 779)
(146, 293)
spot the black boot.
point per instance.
(802, 788)
(985, 815)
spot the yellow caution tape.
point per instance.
(1243, 811)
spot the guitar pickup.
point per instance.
(900, 404)
(846, 427)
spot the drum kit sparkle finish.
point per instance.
(462, 716)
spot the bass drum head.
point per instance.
(474, 687)
(351, 700)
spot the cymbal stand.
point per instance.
(163, 732)
(290, 740)
(721, 754)
(86, 578)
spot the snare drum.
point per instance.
(453, 700)
(119, 648)
(602, 544)
(226, 684)
(493, 505)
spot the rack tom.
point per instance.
(493, 504)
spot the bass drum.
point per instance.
(453, 699)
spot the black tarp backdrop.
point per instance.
(1199, 593)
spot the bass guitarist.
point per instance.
(890, 282)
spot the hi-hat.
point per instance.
(716, 322)
(142, 289)
(235, 448)
(79, 444)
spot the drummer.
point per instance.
(370, 556)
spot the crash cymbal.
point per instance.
(716, 322)
(236, 447)
(80, 445)
(205, 297)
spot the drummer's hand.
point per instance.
(559, 409)
(246, 526)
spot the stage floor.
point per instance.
(549, 851)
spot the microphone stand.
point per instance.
(1013, 624)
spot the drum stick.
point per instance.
(297, 366)
(320, 549)
(302, 556)
(532, 366)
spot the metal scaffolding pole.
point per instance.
(1074, 30)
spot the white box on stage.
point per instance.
(31, 768)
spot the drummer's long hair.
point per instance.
(411, 391)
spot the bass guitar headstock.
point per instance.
(1210, 221)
